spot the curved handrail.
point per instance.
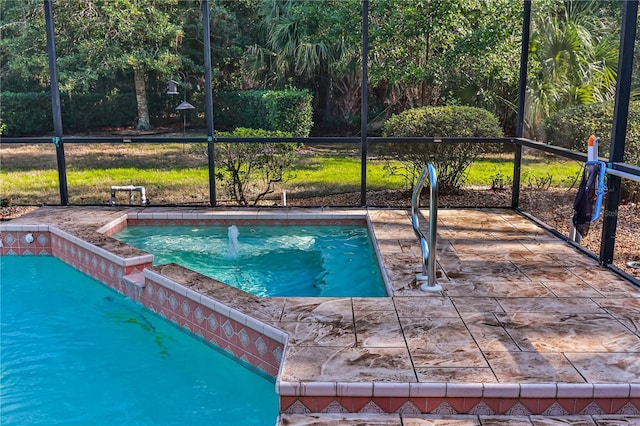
(428, 246)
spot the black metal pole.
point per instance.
(522, 90)
(364, 104)
(619, 130)
(55, 102)
(206, 35)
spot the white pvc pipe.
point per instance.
(130, 188)
(623, 174)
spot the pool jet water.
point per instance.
(234, 245)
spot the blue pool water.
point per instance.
(74, 352)
(303, 261)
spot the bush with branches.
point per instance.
(451, 160)
(253, 169)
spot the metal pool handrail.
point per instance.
(428, 246)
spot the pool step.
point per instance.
(136, 279)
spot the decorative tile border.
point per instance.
(95, 261)
(331, 216)
(240, 222)
(459, 398)
(244, 218)
(25, 240)
(250, 340)
(475, 406)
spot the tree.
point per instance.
(23, 47)
(252, 170)
(434, 53)
(96, 40)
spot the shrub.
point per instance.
(571, 128)
(288, 111)
(253, 169)
(239, 109)
(451, 160)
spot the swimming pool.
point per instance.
(302, 261)
(76, 352)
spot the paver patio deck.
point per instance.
(526, 325)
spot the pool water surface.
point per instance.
(276, 261)
(76, 352)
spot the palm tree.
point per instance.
(573, 60)
(307, 44)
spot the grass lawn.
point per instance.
(177, 173)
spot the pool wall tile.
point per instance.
(189, 216)
(313, 396)
(13, 240)
(10, 227)
(355, 389)
(464, 390)
(284, 388)
(611, 390)
(292, 405)
(227, 328)
(174, 216)
(238, 316)
(318, 389)
(138, 260)
(274, 333)
(512, 390)
(390, 389)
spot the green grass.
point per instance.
(327, 175)
(173, 174)
(534, 171)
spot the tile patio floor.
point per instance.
(519, 308)
(522, 315)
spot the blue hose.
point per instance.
(601, 189)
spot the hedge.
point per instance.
(287, 111)
(30, 113)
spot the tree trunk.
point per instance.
(140, 78)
